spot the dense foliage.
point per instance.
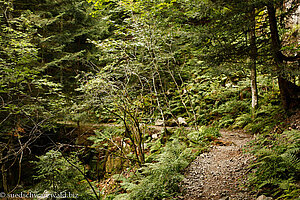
(277, 166)
(82, 83)
(61, 175)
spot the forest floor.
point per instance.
(221, 172)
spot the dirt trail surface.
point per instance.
(220, 173)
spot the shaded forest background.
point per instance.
(83, 82)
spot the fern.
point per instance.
(277, 167)
(203, 135)
(242, 120)
(56, 174)
(160, 179)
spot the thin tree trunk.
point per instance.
(253, 58)
(4, 178)
(160, 109)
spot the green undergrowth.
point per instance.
(225, 103)
(61, 176)
(276, 170)
(159, 178)
(265, 119)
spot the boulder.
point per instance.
(181, 121)
(159, 122)
(263, 197)
(155, 136)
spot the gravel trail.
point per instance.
(220, 173)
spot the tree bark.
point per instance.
(289, 92)
(4, 178)
(253, 58)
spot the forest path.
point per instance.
(220, 173)
(214, 175)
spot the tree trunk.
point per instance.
(253, 58)
(289, 92)
(4, 178)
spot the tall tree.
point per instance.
(227, 47)
(230, 41)
(64, 29)
(253, 57)
(43, 46)
(27, 97)
(289, 91)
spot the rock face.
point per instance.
(220, 173)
